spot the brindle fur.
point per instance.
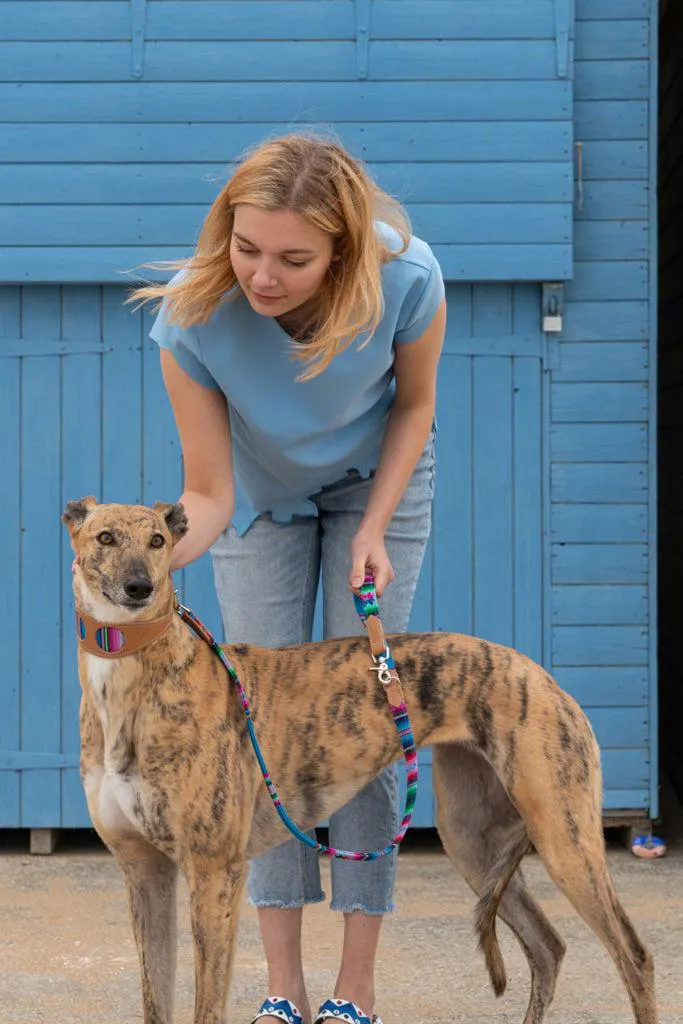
(172, 782)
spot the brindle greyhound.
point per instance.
(171, 779)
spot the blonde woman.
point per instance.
(299, 348)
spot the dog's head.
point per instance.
(123, 551)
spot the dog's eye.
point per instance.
(157, 541)
(105, 537)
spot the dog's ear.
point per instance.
(76, 513)
(176, 520)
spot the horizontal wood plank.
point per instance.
(605, 686)
(612, 80)
(600, 645)
(225, 61)
(590, 523)
(611, 482)
(599, 563)
(258, 20)
(608, 280)
(600, 606)
(609, 361)
(258, 103)
(606, 321)
(149, 183)
(613, 40)
(406, 143)
(167, 225)
(598, 443)
(611, 119)
(596, 402)
(103, 264)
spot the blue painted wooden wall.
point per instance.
(544, 533)
(122, 115)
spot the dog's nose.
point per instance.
(138, 587)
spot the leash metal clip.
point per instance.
(381, 668)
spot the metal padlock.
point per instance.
(552, 323)
(552, 308)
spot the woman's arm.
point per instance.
(410, 421)
(201, 416)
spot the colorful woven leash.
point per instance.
(366, 606)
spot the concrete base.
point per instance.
(44, 841)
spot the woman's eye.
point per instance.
(247, 252)
(157, 541)
(105, 537)
(294, 263)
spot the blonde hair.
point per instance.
(316, 178)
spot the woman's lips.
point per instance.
(267, 298)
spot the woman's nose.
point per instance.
(263, 275)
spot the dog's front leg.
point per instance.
(151, 885)
(215, 898)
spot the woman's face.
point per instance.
(279, 259)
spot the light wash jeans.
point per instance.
(266, 583)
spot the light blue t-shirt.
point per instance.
(291, 438)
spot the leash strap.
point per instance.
(368, 610)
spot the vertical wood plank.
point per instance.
(453, 523)
(40, 553)
(453, 526)
(121, 400)
(162, 467)
(10, 546)
(81, 475)
(527, 508)
(493, 497)
(529, 471)
(493, 469)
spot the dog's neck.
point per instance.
(109, 631)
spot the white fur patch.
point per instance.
(101, 609)
(112, 800)
(99, 672)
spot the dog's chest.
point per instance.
(100, 673)
(118, 796)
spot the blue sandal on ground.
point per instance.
(338, 1009)
(279, 1008)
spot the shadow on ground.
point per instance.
(67, 955)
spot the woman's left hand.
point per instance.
(369, 555)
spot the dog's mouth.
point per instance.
(131, 603)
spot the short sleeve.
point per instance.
(183, 342)
(424, 295)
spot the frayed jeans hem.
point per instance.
(358, 908)
(284, 904)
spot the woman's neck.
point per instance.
(298, 323)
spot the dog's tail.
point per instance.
(489, 901)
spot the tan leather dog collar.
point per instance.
(117, 641)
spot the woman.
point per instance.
(299, 348)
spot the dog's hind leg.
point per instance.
(484, 837)
(150, 879)
(565, 823)
(215, 903)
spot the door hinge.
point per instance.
(564, 22)
(138, 20)
(362, 37)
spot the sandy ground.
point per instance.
(67, 955)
